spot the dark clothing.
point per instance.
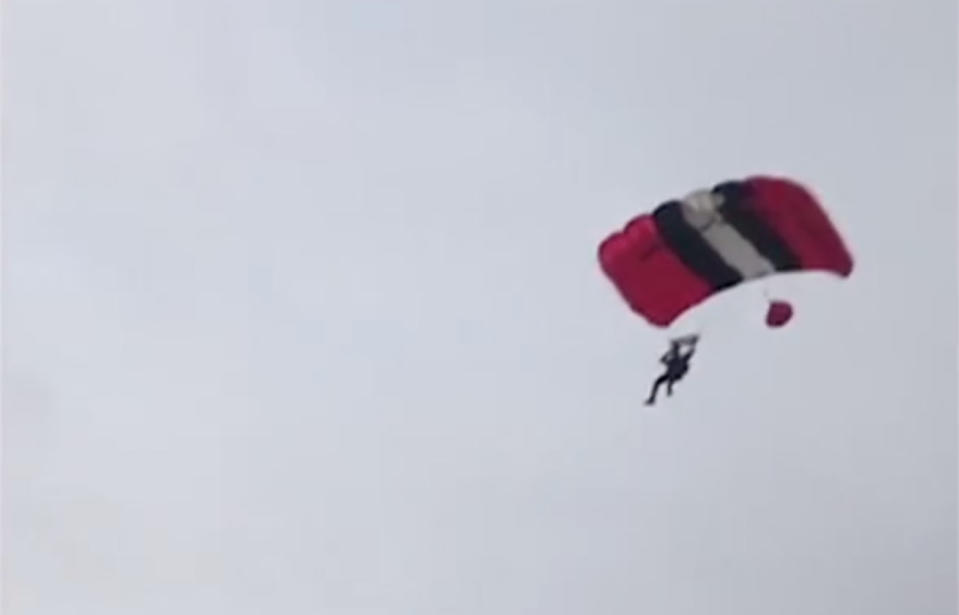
(677, 365)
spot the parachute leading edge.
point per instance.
(683, 252)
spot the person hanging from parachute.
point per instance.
(687, 250)
(677, 364)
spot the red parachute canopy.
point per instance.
(683, 252)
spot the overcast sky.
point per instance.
(302, 312)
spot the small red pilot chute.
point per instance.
(779, 313)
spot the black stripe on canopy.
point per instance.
(737, 212)
(686, 242)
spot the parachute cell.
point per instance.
(686, 250)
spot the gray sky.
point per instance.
(302, 314)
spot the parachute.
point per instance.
(687, 250)
(779, 313)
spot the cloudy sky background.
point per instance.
(301, 311)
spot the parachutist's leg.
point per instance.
(652, 394)
(669, 386)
